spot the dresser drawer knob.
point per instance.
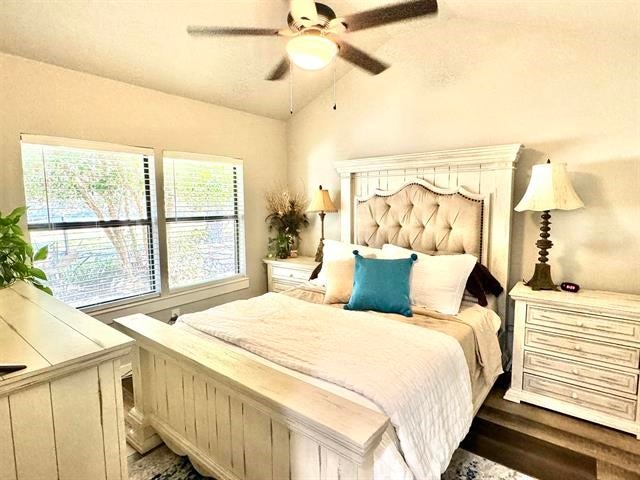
(577, 348)
(580, 324)
(574, 395)
(291, 275)
(574, 371)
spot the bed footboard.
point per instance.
(237, 419)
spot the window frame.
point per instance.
(241, 264)
(163, 298)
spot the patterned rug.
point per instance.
(162, 464)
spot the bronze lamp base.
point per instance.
(541, 279)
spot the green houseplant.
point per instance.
(287, 218)
(17, 257)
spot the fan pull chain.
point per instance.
(290, 88)
(335, 67)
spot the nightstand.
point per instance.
(283, 274)
(578, 354)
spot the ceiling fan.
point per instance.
(316, 33)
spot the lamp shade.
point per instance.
(549, 189)
(311, 52)
(321, 202)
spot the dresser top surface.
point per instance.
(590, 299)
(296, 261)
(44, 333)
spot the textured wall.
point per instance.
(38, 98)
(571, 97)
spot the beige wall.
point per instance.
(572, 98)
(43, 99)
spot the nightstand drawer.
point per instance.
(618, 407)
(575, 322)
(596, 376)
(582, 348)
(291, 274)
(281, 285)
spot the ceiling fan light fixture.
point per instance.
(311, 51)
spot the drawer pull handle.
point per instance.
(577, 348)
(574, 395)
(291, 275)
(575, 371)
(580, 324)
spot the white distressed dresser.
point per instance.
(287, 273)
(62, 416)
(578, 354)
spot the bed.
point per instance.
(242, 404)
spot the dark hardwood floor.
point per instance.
(549, 445)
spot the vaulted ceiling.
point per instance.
(143, 42)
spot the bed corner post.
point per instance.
(140, 434)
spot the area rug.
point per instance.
(162, 464)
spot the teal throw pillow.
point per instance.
(382, 285)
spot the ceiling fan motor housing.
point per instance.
(325, 15)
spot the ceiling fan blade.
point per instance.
(230, 31)
(280, 71)
(304, 11)
(389, 14)
(359, 58)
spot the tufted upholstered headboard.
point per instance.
(393, 199)
(424, 218)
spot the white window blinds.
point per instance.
(94, 205)
(204, 212)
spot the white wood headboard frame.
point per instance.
(487, 171)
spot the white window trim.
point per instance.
(164, 299)
(170, 300)
(162, 217)
(84, 144)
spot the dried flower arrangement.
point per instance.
(286, 217)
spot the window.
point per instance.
(94, 205)
(204, 212)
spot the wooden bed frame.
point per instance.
(238, 419)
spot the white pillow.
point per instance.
(335, 250)
(437, 281)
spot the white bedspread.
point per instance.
(418, 377)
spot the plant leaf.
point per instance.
(41, 254)
(17, 213)
(43, 288)
(36, 272)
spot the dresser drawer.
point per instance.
(576, 322)
(600, 402)
(582, 348)
(291, 274)
(596, 376)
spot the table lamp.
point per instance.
(321, 203)
(549, 189)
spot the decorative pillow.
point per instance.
(335, 250)
(381, 285)
(437, 282)
(339, 280)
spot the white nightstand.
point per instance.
(287, 273)
(578, 354)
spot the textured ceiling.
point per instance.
(144, 42)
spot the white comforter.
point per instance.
(418, 377)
